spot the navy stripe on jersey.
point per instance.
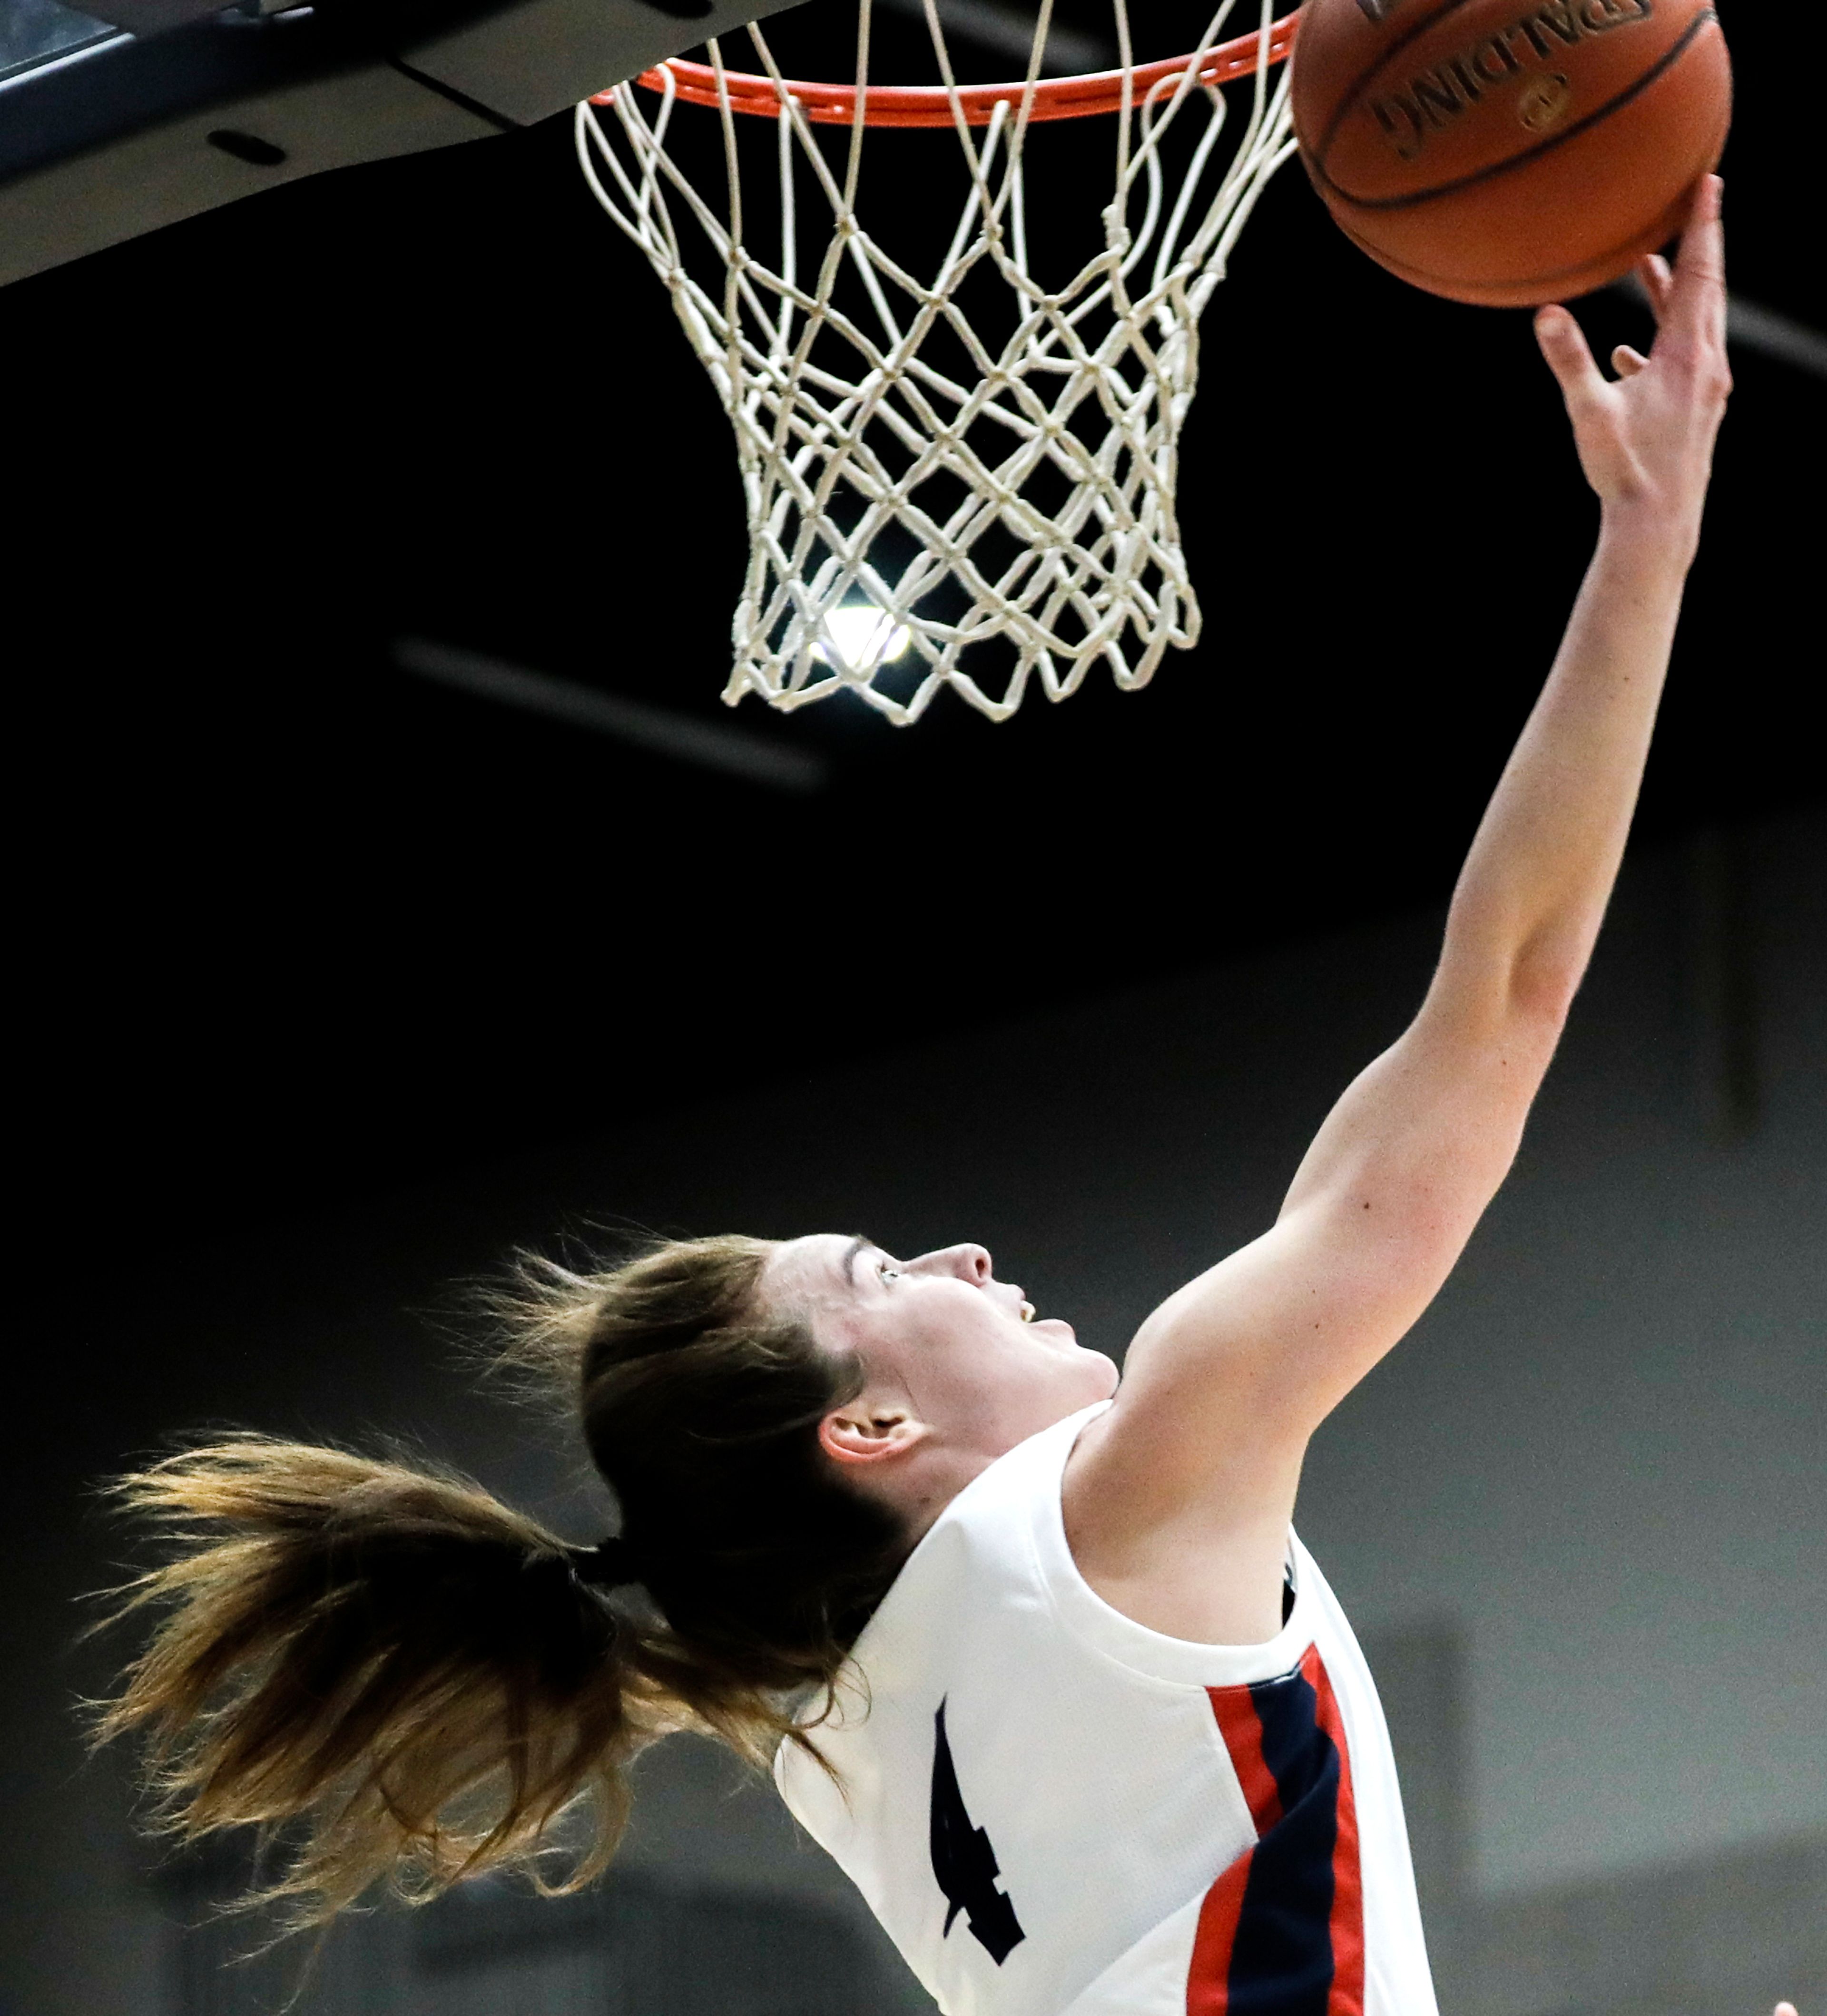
(1281, 1952)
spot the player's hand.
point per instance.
(1645, 438)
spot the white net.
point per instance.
(966, 481)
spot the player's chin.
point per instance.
(1091, 1370)
(1108, 1377)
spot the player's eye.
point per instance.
(887, 1270)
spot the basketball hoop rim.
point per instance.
(1099, 91)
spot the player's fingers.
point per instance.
(1696, 297)
(1627, 362)
(1653, 271)
(1563, 344)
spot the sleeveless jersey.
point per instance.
(1055, 1811)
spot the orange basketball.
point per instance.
(1509, 152)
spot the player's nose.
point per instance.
(970, 1263)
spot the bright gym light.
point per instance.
(862, 637)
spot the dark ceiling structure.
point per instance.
(299, 919)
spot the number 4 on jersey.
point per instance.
(964, 1862)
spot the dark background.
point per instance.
(293, 926)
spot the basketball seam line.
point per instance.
(1417, 30)
(1424, 276)
(1668, 59)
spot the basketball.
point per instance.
(1509, 152)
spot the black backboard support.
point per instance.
(111, 127)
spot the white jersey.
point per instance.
(1055, 1811)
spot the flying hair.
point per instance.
(402, 1682)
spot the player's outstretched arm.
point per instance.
(1228, 1379)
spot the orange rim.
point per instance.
(931, 104)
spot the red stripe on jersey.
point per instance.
(1209, 1977)
(1241, 1728)
(1208, 1980)
(1347, 1996)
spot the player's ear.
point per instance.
(860, 1434)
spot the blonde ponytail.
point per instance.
(407, 1683)
(384, 1656)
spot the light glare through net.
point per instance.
(860, 637)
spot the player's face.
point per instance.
(974, 1360)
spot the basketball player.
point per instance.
(1040, 1661)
